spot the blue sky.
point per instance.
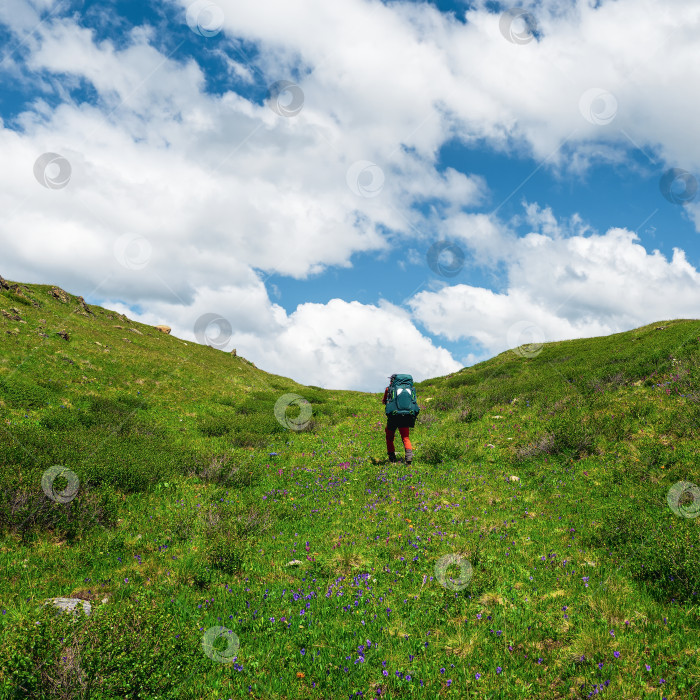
(532, 138)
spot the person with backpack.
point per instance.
(401, 412)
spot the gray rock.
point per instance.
(70, 604)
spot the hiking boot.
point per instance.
(392, 456)
(409, 456)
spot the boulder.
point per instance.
(59, 294)
(70, 604)
(83, 309)
(233, 352)
(15, 317)
(164, 329)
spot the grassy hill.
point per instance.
(538, 546)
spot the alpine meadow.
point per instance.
(230, 533)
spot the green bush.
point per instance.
(435, 450)
(22, 394)
(60, 419)
(224, 553)
(218, 469)
(653, 454)
(119, 414)
(255, 429)
(315, 395)
(20, 299)
(265, 396)
(667, 563)
(248, 439)
(214, 426)
(447, 401)
(132, 463)
(231, 401)
(462, 379)
(182, 526)
(657, 548)
(572, 433)
(336, 413)
(127, 648)
(30, 512)
(468, 415)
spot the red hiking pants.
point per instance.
(403, 432)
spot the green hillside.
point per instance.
(543, 543)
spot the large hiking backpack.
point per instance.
(401, 399)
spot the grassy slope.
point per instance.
(193, 498)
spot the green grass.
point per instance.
(547, 473)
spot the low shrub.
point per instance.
(224, 554)
(22, 394)
(468, 415)
(29, 512)
(60, 419)
(657, 548)
(127, 648)
(543, 445)
(572, 433)
(214, 426)
(447, 401)
(435, 450)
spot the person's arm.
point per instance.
(386, 391)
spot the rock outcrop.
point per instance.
(19, 290)
(83, 309)
(59, 294)
(70, 604)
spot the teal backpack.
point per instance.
(401, 399)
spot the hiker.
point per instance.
(401, 411)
